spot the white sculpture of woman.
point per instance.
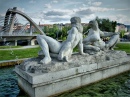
(94, 42)
(64, 49)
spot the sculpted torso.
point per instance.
(93, 40)
(62, 50)
(74, 37)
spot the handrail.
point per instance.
(17, 34)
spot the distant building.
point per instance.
(120, 27)
(84, 24)
(67, 24)
(128, 28)
(45, 25)
(17, 26)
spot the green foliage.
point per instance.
(122, 33)
(123, 47)
(64, 31)
(85, 28)
(46, 29)
(106, 24)
(36, 33)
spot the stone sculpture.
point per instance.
(62, 50)
(93, 42)
(41, 80)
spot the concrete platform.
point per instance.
(71, 76)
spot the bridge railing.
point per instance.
(16, 34)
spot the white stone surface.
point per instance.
(93, 42)
(64, 49)
(58, 80)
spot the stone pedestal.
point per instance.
(57, 77)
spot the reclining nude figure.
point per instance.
(62, 50)
(94, 42)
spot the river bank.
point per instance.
(7, 63)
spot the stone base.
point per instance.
(58, 77)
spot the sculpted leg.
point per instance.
(48, 45)
(112, 42)
(44, 46)
(90, 47)
(65, 52)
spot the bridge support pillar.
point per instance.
(15, 43)
(29, 42)
(33, 41)
(30, 30)
(5, 28)
(12, 21)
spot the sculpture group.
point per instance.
(91, 44)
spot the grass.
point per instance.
(32, 52)
(123, 47)
(22, 53)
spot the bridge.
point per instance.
(9, 30)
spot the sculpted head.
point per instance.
(93, 23)
(76, 22)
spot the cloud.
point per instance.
(83, 12)
(96, 3)
(100, 9)
(58, 18)
(32, 1)
(87, 18)
(47, 6)
(89, 2)
(1, 15)
(120, 18)
(21, 9)
(84, 5)
(51, 16)
(58, 15)
(55, 13)
(55, 1)
(123, 9)
(90, 10)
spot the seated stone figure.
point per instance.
(93, 41)
(64, 49)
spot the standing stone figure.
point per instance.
(93, 40)
(62, 50)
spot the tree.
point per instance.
(122, 33)
(64, 32)
(106, 24)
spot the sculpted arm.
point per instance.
(80, 45)
(67, 48)
(107, 34)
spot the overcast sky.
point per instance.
(60, 11)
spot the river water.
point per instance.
(118, 86)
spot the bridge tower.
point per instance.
(9, 21)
